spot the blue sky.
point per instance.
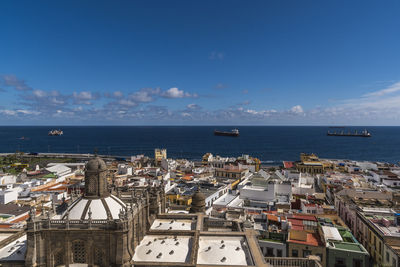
(200, 62)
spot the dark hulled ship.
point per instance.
(233, 133)
(364, 133)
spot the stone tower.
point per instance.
(96, 179)
(198, 202)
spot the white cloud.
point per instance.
(118, 94)
(84, 97)
(39, 93)
(174, 93)
(185, 114)
(19, 112)
(145, 95)
(127, 102)
(192, 106)
(14, 82)
(391, 89)
(28, 112)
(8, 112)
(297, 109)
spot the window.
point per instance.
(98, 257)
(340, 262)
(295, 253)
(78, 251)
(357, 263)
(387, 257)
(279, 253)
(58, 258)
(393, 262)
(306, 253)
(270, 252)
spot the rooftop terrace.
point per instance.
(223, 250)
(157, 248)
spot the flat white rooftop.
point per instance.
(5, 235)
(331, 233)
(171, 224)
(236, 203)
(15, 251)
(254, 188)
(223, 250)
(157, 248)
(224, 199)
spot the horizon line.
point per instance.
(195, 125)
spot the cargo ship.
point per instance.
(364, 133)
(234, 133)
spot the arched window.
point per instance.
(79, 251)
(98, 257)
(58, 258)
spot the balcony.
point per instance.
(293, 262)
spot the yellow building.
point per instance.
(159, 155)
(257, 163)
(231, 172)
(180, 199)
(309, 163)
(206, 158)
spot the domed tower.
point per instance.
(96, 230)
(97, 198)
(96, 179)
(198, 202)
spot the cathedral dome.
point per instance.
(97, 202)
(96, 164)
(100, 209)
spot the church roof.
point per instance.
(101, 209)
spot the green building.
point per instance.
(342, 249)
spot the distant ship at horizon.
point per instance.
(233, 133)
(364, 133)
(55, 133)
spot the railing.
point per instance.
(292, 262)
(77, 224)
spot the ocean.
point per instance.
(271, 144)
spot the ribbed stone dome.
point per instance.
(96, 164)
(97, 202)
(99, 209)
